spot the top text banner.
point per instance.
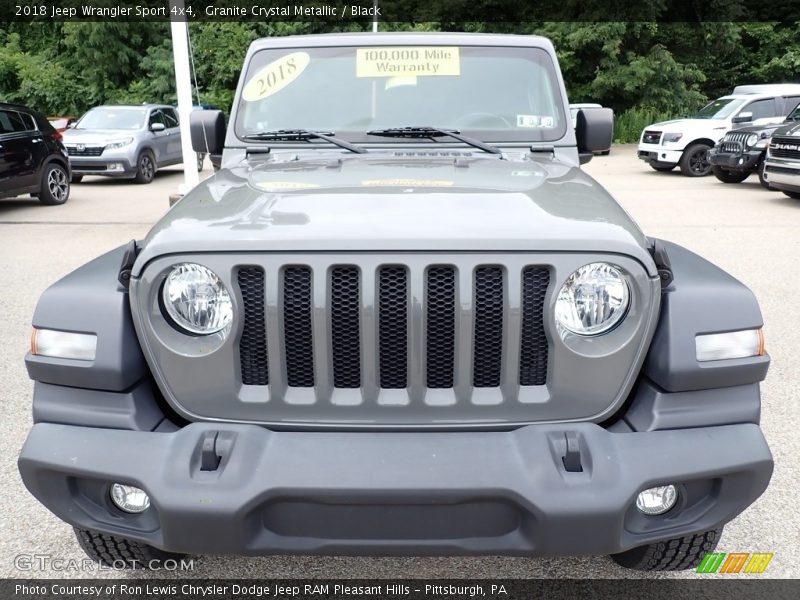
(444, 12)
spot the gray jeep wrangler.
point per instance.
(399, 320)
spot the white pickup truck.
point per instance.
(686, 142)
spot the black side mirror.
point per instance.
(594, 131)
(208, 131)
(742, 117)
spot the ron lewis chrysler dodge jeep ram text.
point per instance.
(399, 320)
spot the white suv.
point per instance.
(686, 142)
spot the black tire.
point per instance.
(672, 555)
(661, 169)
(694, 161)
(55, 185)
(76, 178)
(145, 167)
(764, 183)
(116, 552)
(726, 176)
(795, 195)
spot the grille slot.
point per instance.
(488, 346)
(345, 303)
(253, 345)
(297, 336)
(440, 326)
(533, 345)
(393, 326)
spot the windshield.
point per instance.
(495, 94)
(113, 118)
(719, 109)
(795, 114)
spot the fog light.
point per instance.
(129, 498)
(657, 500)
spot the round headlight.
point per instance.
(751, 140)
(196, 299)
(593, 299)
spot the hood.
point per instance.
(758, 128)
(788, 130)
(388, 203)
(95, 136)
(683, 125)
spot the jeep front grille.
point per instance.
(345, 294)
(734, 142)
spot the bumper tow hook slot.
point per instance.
(572, 459)
(209, 459)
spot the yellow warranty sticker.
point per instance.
(285, 186)
(275, 76)
(407, 61)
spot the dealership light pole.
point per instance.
(183, 86)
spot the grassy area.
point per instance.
(628, 126)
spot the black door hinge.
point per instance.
(661, 258)
(126, 268)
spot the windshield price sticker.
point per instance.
(408, 61)
(275, 76)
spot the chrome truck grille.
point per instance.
(392, 300)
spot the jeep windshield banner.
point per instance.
(365, 11)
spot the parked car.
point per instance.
(782, 164)
(61, 124)
(124, 141)
(686, 142)
(398, 339)
(742, 151)
(573, 111)
(32, 158)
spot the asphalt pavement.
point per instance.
(751, 232)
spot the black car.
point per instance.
(32, 158)
(741, 152)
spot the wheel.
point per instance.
(661, 169)
(76, 178)
(672, 555)
(726, 176)
(145, 167)
(795, 195)
(200, 159)
(115, 551)
(55, 185)
(694, 162)
(764, 183)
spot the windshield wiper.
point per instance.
(433, 132)
(288, 135)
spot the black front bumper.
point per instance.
(744, 161)
(396, 493)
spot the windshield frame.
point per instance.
(142, 124)
(509, 136)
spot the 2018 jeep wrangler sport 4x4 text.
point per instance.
(399, 320)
